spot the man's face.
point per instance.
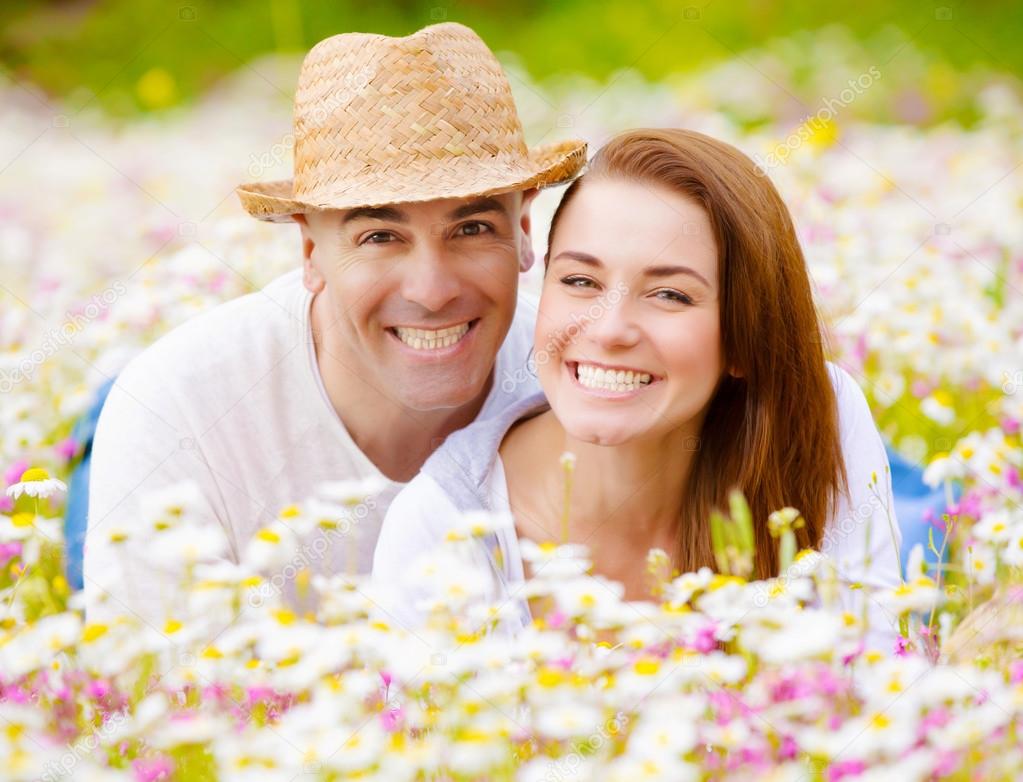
(421, 295)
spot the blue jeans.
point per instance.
(915, 501)
(76, 512)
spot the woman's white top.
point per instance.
(466, 474)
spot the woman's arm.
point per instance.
(862, 535)
(415, 525)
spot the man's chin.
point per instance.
(445, 396)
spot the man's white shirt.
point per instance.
(233, 401)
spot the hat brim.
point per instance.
(545, 166)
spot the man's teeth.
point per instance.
(610, 379)
(431, 339)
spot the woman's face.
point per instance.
(628, 339)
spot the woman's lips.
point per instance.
(609, 382)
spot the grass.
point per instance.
(138, 55)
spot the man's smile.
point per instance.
(432, 340)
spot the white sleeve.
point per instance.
(416, 523)
(143, 444)
(862, 534)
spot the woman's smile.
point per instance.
(609, 382)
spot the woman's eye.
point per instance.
(673, 295)
(577, 282)
(473, 228)
(378, 237)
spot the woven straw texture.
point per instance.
(382, 120)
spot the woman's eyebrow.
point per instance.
(589, 260)
(649, 271)
(668, 271)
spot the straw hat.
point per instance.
(381, 120)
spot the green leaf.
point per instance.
(787, 552)
(930, 543)
(717, 537)
(743, 520)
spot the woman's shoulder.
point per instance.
(417, 519)
(853, 409)
(464, 462)
(846, 387)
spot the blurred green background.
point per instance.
(135, 55)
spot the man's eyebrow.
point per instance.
(477, 206)
(388, 213)
(649, 271)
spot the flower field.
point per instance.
(112, 234)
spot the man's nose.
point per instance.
(430, 280)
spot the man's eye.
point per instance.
(474, 228)
(378, 237)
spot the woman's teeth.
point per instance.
(610, 379)
(431, 339)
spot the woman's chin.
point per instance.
(599, 433)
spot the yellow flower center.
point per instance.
(284, 617)
(93, 631)
(647, 667)
(880, 722)
(22, 519)
(549, 677)
(34, 474)
(269, 536)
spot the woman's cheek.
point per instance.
(693, 346)
(553, 329)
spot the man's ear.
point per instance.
(311, 276)
(525, 219)
(526, 254)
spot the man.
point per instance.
(412, 189)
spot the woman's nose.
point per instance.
(613, 325)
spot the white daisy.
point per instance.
(921, 595)
(479, 524)
(938, 407)
(980, 563)
(996, 527)
(352, 492)
(35, 482)
(1012, 554)
(943, 468)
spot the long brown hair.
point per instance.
(772, 431)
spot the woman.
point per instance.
(679, 352)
